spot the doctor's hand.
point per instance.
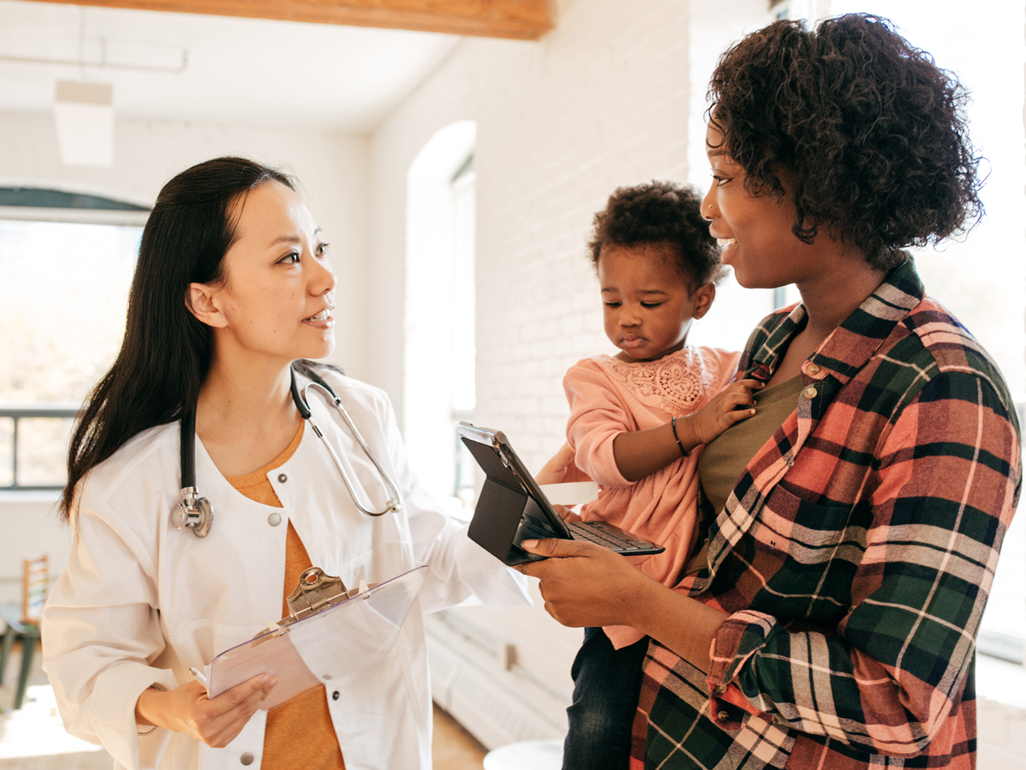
(215, 722)
(584, 584)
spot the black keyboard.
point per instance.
(609, 536)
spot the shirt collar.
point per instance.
(851, 344)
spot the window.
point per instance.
(439, 347)
(64, 294)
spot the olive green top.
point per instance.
(726, 456)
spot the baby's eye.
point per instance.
(612, 303)
(651, 304)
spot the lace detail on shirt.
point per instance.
(679, 383)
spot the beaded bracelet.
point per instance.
(673, 427)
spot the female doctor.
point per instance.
(232, 286)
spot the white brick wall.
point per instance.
(602, 101)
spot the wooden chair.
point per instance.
(22, 623)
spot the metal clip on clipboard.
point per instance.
(315, 591)
(330, 634)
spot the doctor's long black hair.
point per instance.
(166, 352)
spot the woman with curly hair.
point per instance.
(854, 523)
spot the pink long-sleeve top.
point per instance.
(609, 397)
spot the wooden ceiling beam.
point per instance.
(519, 19)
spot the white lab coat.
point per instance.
(141, 602)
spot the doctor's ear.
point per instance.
(201, 299)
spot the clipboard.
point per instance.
(330, 635)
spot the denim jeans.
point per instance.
(606, 687)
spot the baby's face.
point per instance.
(648, 305)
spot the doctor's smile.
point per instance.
(322, 318)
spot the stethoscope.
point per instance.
(195, 511)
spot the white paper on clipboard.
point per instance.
(328, 645)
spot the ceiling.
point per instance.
(189, 67)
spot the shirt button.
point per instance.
(813, 369)
(334, 695)
(246, 759)
(274, 519)
(809, 392)
(723, 716)
(282, 478)
(721, 688)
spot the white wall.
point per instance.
(600, 102)
(332, 170)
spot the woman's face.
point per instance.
(278, 293)
(754, 230)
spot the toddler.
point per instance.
(635, 420)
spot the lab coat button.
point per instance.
(246, 759)
(334, 695)
(282, 478)
(274, 519)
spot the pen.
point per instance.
(200, 676)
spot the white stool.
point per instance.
(526, 755)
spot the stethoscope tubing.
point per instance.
(195, 512)
(393, 505)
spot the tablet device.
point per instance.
(512, 508)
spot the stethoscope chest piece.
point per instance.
(193, 512)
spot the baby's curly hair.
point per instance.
(660, 213)
(873, 131)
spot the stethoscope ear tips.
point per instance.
(193, 512)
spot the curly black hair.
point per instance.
(660, 213)
(872, 132)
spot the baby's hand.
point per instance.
(732, 404)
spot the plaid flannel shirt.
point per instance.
(854, 556)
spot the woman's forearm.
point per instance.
(584, 584)
(678, 622)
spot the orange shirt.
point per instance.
(299, 734)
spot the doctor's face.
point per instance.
(279, 291)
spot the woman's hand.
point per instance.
(216, 721)
(584, 584)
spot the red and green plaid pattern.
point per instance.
(854, 555)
